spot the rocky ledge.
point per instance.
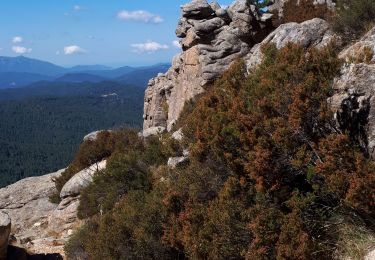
(38, 225)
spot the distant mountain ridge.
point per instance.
(27, 65)
(21, 71)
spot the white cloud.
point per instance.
(21, 50)
(73, 49)
(149, 47)
(77, 8)
(17, 39)
(176, 44)
(139, 16)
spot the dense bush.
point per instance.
(267, 174)
(93, 151)
(302, 10)
(354, 17)
(127, 170)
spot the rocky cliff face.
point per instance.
(211, 38)
(354, 101)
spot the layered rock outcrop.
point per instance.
(211, 38)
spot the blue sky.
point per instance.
(109, 32)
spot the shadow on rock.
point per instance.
(17, 253)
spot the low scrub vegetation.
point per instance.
(302, 10)
(354, 17)
(93, 151)
(267, 175)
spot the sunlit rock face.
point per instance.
(211, 39)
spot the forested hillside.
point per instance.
(268, 175)
(42, 126)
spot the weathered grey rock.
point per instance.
(197, 9)
(215, 6)
(370, 255)
(212, 38)
(311, 33)
(5, 226)
(81, 180)
(223, 14)
(94, 135)
(353, 102)
(34, 223)
(207, 27)
(182, 27)
(153, 131)
(178, 135)
(173, 162)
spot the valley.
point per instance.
(43, 123)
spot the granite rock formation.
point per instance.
(40, 226)
(33, 225)
(211, 38)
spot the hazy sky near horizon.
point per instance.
(109, 32)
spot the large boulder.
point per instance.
(353, 101)
(5, 225)
(212, 38)
(81, 180)
(35, 226)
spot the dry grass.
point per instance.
(355, 239)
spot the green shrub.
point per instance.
(93, 151)
(133, 230)
(354, 17)
(127, 169)
(124, 173)
(302, 10)
(74, 248)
